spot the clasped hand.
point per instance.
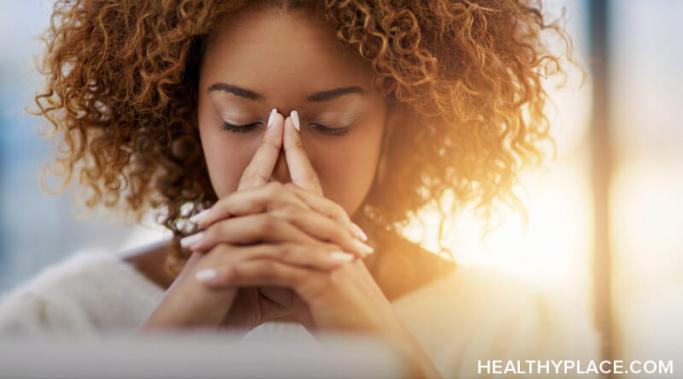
(271, 250)
(288, 249)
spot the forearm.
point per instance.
(177, 311)
(189, 304)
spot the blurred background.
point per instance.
(605, 217)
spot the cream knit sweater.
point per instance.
(473, 314)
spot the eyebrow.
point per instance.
(316, 97)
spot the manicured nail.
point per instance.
(359, 232)
(367, 249)
(199, 217)
(341, 256)
(271, 118)
(191, 240)
(205, 275)
(295, 120)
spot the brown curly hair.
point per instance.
(122, 85)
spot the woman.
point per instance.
(280, 140)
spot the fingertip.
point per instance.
(295, 120)
(275, 120)
(200, 218)
(362, 248)
(360, 234)
(341, 257)
(272, 117)
(274, 129)
(192, 241)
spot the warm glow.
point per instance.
(555, 249)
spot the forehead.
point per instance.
(277, 52)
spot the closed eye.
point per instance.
(241, 128)
(246, 128)
(331, 131)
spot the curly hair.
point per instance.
(122, 81)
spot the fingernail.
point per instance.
(191, 240)
(359, 232)
(199, 217)
(295, 120)
(367, 249)
(205, 275)
(341, 256)
(271, 118)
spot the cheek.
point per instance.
(346, 168)
(226, 154)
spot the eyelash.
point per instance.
(249, 127)
(239, 128)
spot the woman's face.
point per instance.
(290, 61)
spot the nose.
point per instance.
(281, 171)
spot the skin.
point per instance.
(242, 54)
(280, 241)
(283, 236)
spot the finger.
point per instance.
(300, 168)
(328, 208)
(249, 229)
(279, 225)
(323, 228)
(249, 201)
(307, 256)
(260, 168)
(257, 272)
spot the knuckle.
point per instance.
(286, 251)
(252, 176)
(268, 223)
(338, 211)
(291, 186)
(279, 199)
(290, 211)
(317, 254)
(215, 233)
(309, 254)
(338, 234)
(269, 268)
(210, 233)
(328, 247)
(273, 188)
(237, 272)
(222, 249)
(219, 205)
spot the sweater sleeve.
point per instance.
(89, 293)
(477, 321)
(29, 314)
